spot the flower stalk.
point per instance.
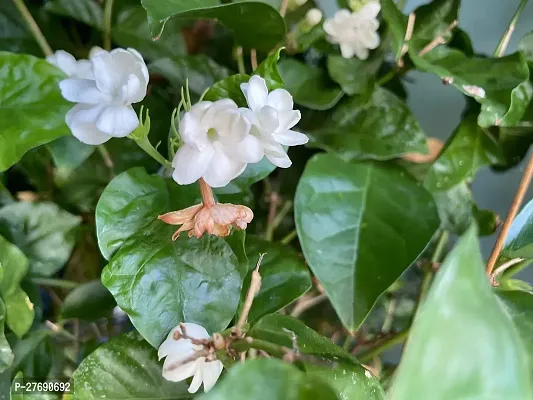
(108, 13)
(34, 28)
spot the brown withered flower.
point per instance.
(208, 216)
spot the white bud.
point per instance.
(313, 16)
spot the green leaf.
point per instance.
(43, 231)
(379, 128)
(131, 30)
(269, 379)
(397, 23)
(519, 306)
(469, 149)
(348, 383)
(355, 76)
(310, 86)
(360, 213)
(460, 316)
(68, 152)
(229, 88)
(254, 24)
(519, 239)
(526, 47)
(201, 71)
(284, 277)
(87, 11)
(89, 301)
(268, 70)
(36, 114)
(158, 282)
(290, 332)
(124, 368)
(6, 354)
(252, 174)
(128, 203)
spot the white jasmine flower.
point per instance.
(104, 103)
(181, 362)
(313, 16)
(356, 32)
(217, 144)
(69, 65)
(272, 117)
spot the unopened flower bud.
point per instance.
(313, 17)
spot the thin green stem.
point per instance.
(34, 28)
(290, 237)
(108, 161)
(55, 283)
(108, 14)
(429, 269)
(269, 234)
(504, 41)
(370, 354)
(271, 348)
(240, 60)
(441, 246)
(145, 144)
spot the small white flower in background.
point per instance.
(313, 16)
(217, 144)
(272, 117)
(120, 78)
(69, 65)
(180, 362)
(355, 32)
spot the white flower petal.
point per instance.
(256, 92)
(180, 373)
(281, 100)
(291, 138)
(195, 331)
(64, 61)
(131, 91)
(118, 121)
(199, 109)
(94, 51)
(171, 345)
(211, 373)
(189, 165)
(210, 117)
(231, 126)
(369, 10)
(82, 91)
(222, 168)
(182, 350)
(198, 376)
(361, 52)
(268, 119)
(248, 150)
(142, 64)
(107, 75)
(288, 120)
(84, 70)
(347, 50)
(81, 120)
(192, 132)
(249, 115)
(282, 161)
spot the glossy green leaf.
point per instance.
(397, 24)
(229, 88)
(36, 114)
(158, 282)
(284, 276)
(43, 231)
(6, 354)
(252, 174)
(124, 368)
(269, 379)
(87, 11)
(352, 220)
(519, 239)
(89, 301)
(310, 86)
(131, 30)
(443, 356)
(128, 203)
(347, 382)
(378, 128)
(355, 76)
(519, 306)
(290, 332)
(268, 70)
(201, 71)
(526, 47)
(18, 307)
(254, 24)
(69, 152)
(469, 149)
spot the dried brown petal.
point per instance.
(182, 216)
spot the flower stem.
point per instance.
(269, 234)
(34, 28)
(240, 60)
(369, 354)
(504, 41)
(108, 161)
(207, 193)
(145, 144)
(108, 13)
(55, 283)
(290, 237)
(517, 201)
